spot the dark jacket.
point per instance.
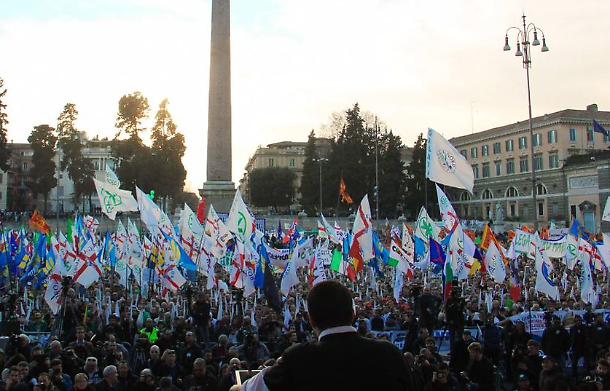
(205, 383)
(552, 380)
(344, 361)
(482, 373)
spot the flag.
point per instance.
(494, 263)
(111, 177)
(399, 282)
(290, 278)
(458, 255)
(218, 233)
(38, 223)
(337, 261)
(381, 252)
(606, 214)
(448, 215)
(362, 245)
(53, 294)
(437, 256)
(240, 220)
(425, 228)
(597, 127)
(113, 199)
(328, 230)
(444, 164)
(345, 197)
(544, 282)
(447, 279)
(150, 213)
(271, 292)
(586, 286)
(201, 210)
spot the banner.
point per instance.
(555, 248)
(522, 241)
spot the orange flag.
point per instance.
(345, 197)
(38, 223)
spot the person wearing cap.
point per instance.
(551, 376)
(523, 383)
(341, 359)
(146, 381)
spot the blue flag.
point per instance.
(437, 256)
(575, 228)
(597, 127)
(380, 251)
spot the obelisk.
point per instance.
(219, 189)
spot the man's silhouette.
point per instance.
(340, 359)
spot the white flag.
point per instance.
(328, 230)
(150, 213)
(53, 293)
(586, 287)
(240, 221)
(494, 263)
(606, 215)
(363, 231)
(290, 278)
(111, 177)
(425, 227)
(113, 199)
(218, 233)
(448, 215)
(544, 283)
(444, 164)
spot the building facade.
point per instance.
(17, 196)
(284, 154)
(502, 163)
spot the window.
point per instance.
(553, 160)
(573, 135)
(485, 150)
(475, 169)
(474, 152)
(522, 142)
(512, 192)
(523, 164)
(573, 211)
(589, 134)
(510, 145)
(96, 164)
(510, 166)
(1, 177)
(485, 170)
(540, 189)
(24, 166)
(464, 153)
(291, 163)
(497, 148)
(487, 195)
(541, 209)
(537, 139)
(555, 209)
(538, 162)
(465, 196)
(498, 168)
(552, 136)
(606, 138)
(270, 162)
(512, 210)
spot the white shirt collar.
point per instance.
(336, 330)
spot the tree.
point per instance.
(135, 163)
(167, 151)
(272, 186)
(392, 177)
(133, 108)
(43, 141)
(351, 159)
(5, 153)
(417, 184)
(80, 169)
(310, 181)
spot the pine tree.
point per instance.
(135, 161)
(392, 177)
(310, 181)
(5, 153)
(167, 151)
(416, 179)
(43, 141)
(80, 169)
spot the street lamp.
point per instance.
(523, 42)
(320, 160)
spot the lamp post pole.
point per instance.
(523, 38)
(320, 161)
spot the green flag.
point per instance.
(335, 264)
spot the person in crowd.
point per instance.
(81, 383)
(146, 381)
(551, 376)
(200, 379)
(480, 372)
(126, 380)
(110, 380)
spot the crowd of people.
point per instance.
(196, 339)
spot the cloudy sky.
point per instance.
(416, 64)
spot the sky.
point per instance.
(415, 64)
